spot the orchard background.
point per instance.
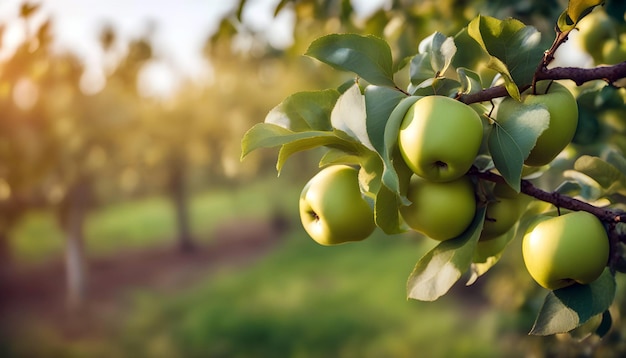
(130, 227)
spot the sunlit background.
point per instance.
(130, 227)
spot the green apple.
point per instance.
(594, 29)
(332, 209)
(503, 212)
(438, 210)
(563, 110)
(613, 52)
(559, 251)
(440, 137)
(490, 248)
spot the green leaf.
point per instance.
(605, 324)
(304, 111)
(436, 86)
(482, 264)
(367, 56)
(349, 116)
(386, 212)
(338, 156)
(435, 56)
(511, 141)
(608, 176)
(302, 141)
(392, 130)
(567, 308)
(588, 188)
(577, 9)
(379, 103)
(420, 69)
(470, 81)
(437, 271)
(616, 159)
(441, 51)
(514, 49)
(263, 135)
(471, 55)
(371, 168)
(266, 135)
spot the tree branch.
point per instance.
(610, 74)
(557, 199)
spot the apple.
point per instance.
(440, 137)
(613, 52)
(490, 248)
(560, 251)
(332, 209)
(594, 29)
(563, 110)
(503, 212)
(441, 211)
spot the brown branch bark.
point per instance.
(610, 74)
(559, 200)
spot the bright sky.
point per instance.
(181, 27)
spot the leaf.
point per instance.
(435, 56)
(266, 135)
(588, 188)
(577, 9)
(420, 69)
(392, 130)
(437, 271)
(511, 141)
(386, 212)
(436, 86)
(514, 49)
(367, 56)
(304, 111)
(371, 168)
(263, 135)
(302, 141)
(605, 324)
(616, 159)
(440, 50)
(604, 173)
(349, 116)
(482, 264)
(338, 156)
(567, 308)
(470, 80)
(379, 103)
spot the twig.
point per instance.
(610, 74)
(559, 200)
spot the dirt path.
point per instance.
(39, 293)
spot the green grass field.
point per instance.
(305, 300)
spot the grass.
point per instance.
(302, 300)
(305, 300)
(150, 221)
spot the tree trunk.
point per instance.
(72, 216)
(178, 194)
(5, 256)
(9, 215)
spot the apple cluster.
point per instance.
(599, 36)
(439, 140)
